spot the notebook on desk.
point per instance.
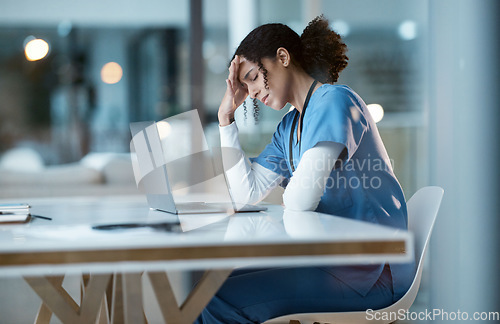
(163, 166)
(14, 213)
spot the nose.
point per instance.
(253, 92)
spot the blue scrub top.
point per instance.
(363, 186)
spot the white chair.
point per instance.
(422, 211)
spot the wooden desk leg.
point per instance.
(117, 300)
(83, 285)
(196, 301)
(124, 299)
(44, 313)
(109, 296)
(165, 297)
(92, 301)
(61, 303)
(132, 301)
(103, 316)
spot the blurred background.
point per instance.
(73, 75)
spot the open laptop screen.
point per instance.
(172, 163)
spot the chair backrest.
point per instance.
(423, 207)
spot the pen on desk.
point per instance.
(11, 212)
(42, 217)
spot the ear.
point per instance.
(283, 56)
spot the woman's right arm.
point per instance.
(249, 183)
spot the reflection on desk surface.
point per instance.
(74, 219)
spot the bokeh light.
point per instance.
(164, 129)
(341, 27)
(407, 30)
(111, 73)
(36, 49)
(377, 112)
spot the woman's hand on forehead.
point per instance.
(235, 95)
(237, 64)
(234, 70)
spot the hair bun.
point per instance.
(323, 51)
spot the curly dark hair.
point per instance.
(256, 110)
(320, 51)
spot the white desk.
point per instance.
(43, 251)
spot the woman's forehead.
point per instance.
(246, 67)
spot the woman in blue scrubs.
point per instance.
(328, 155)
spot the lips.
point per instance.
(264, 99)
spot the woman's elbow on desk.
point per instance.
(295, 201)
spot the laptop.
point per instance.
(172, 163)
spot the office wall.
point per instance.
(93, 12)
(464, 154)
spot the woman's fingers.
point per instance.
(231, 87)
(235, 91)
(231, 69)
(233, 79)
(236, 63)
(234, 96)
(234, 69)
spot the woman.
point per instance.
(328, 154)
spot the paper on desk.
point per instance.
(79, 232)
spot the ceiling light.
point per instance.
(36, 49)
